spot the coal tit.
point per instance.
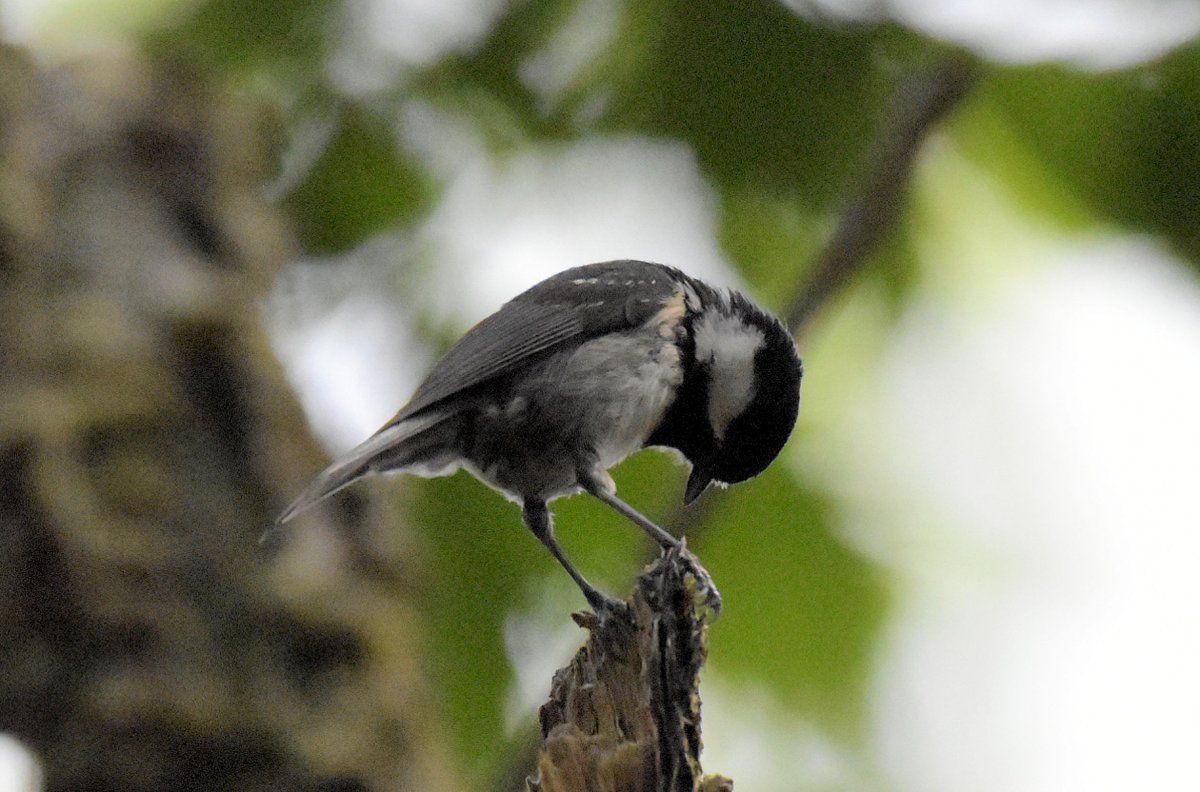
(542, 397)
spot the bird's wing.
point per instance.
(572, 306)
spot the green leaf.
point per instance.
(1128, 142)
(360, 185)
(763, 96)
(480, 557)
(235, 34)
(801, 610)
(772, 238)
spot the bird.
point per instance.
(567, 379)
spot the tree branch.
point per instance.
(875, 206)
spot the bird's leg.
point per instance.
(606, 490)
(541, 522)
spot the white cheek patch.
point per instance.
(728, 346)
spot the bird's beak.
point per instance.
(697, 483)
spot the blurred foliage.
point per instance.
(480, 555)
(779, 111)
(1126, 142)
(790, 119)
(242, 36)
(491, 72)
(803, 607)
(361, 184)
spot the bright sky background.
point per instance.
(1022, 458)
(1025, 465)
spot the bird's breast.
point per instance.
(624, 385)
(595, 404)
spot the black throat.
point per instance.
(685, 426)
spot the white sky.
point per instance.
(1099, 34)
(1023, 460)
(1042, 631)
(1092, 33)
(503, 227)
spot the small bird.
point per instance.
(567, 379)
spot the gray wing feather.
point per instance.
(575, 304)
(517, 332)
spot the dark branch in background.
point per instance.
(874, 209)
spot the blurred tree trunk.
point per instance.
(147, 641)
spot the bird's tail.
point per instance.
(394, 447)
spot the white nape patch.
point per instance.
(728, 345)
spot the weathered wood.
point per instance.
(624, 716)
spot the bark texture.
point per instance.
(147, 438)
(624, 716)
